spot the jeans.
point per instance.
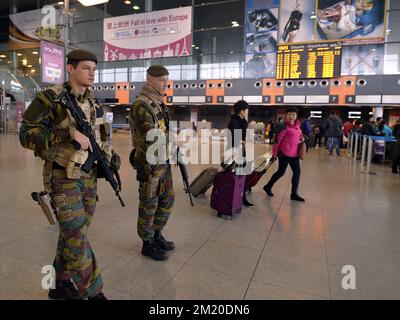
(318, 141)
(395, 165)
(283, 164)
(334, 143)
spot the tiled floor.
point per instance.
(276, 250)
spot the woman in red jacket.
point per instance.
(287, 151)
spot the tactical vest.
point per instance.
(63, 153)
(161, 121)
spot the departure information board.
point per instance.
(308, 61)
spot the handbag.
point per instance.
(302, 150)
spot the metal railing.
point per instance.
(363, 146)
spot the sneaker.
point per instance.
(296, 197)
(99, 296)
(163, 243)
(151, 249)
(65, 290)
(268, 191)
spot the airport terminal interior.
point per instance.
(334, 64)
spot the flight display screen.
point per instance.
(308, 61)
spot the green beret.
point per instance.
(157, 70)
(82, 55)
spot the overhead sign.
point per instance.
(156, 34)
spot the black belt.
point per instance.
(56, 166)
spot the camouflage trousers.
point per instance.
(76, 201)
(156, 199)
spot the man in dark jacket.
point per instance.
(396, 130)
(333, 132)
(369, 128)
(271, 131)
(278, 127)
(396, 148)
(238, 122)
(306, 130)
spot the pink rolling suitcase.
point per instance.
(227, 193)
(253, 178)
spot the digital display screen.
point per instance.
(308, 61)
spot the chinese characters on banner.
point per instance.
(156, 34)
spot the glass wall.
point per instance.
(217, 45)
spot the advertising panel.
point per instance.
(157, 34)
(297, 21)
(26, 29)
(52, 65)
(261, 31)
(350, 21)
(363, 60)
(353, 21)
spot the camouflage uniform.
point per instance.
(47, 129)
(156, 194)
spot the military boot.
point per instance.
(162, 242)
(65, 290)
(152, 249)
(99, 296)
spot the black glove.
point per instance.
(272, 159)
(115, 161)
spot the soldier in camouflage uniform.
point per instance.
(156, 194)
(49, 130)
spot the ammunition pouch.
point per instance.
(105, 131)
(75, 163)
(156, 183)
(143, 172)
(64, 205)
(143, 169)
(47, 169)
(151, 187)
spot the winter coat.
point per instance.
(333, 127)
(288, 140)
